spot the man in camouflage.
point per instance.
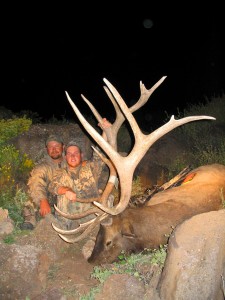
(79, 179)
(39, 180)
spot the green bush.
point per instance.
(13, 199)
(210, 154)
(13, 127)
(14, 172)
(203, 140)
(13, 165)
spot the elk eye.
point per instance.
(108, 243)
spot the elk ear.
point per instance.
(107, 221)
(128, 231)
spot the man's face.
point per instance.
(73, 156)
(55, 149)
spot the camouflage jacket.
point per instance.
(83, 180)
(39, 180)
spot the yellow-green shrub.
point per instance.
(13, 127)
(13, 165)
(14, 171)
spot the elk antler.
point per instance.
(85, 227)
(125, 166)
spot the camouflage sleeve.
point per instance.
(60, 178)
(96, 164)
(38, 183)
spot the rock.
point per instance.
(195, 264)
(6, 228)
(6, 224)
(122, 287)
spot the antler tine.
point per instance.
(86, 231)
(107, 131)
(73, 231)
(76, 216)
(111, 181)
(119, 119)
(93, 109)
(145, 94)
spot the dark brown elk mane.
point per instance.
(120, 167)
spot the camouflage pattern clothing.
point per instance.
(83, 180)
(39, 180)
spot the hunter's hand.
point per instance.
(45, 208)
(104, 124)
(70, 195)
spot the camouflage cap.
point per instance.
(73, 143)
(55, 138)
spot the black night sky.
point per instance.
(49, 50)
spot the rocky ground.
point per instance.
(40, 265)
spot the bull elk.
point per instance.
(133, 229)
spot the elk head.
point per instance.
(120, 166)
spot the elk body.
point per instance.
(133, 229)
(150, 226)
